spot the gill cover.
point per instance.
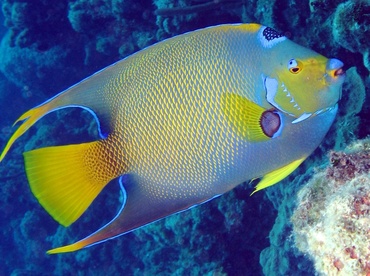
(302, 83)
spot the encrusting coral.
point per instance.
(331, 221)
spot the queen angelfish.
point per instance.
(184, 121)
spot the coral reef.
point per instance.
(107, 27)
(33, 54)
(36, 72)
(29, 22)
(331, 221)
(174, 17)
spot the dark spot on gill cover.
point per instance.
(270, 123)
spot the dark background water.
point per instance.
(49, 45)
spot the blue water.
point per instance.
(49, 45)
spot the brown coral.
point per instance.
(344, 167)
(338, 235)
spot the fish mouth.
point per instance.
(339, 72)
(271, 88)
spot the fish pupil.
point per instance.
(294, 69)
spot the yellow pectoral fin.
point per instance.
(66, 179)
(248, 119)
(277, 175)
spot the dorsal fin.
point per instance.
(90, 94)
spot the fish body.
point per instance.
(184, 121)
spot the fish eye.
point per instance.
(294, 66)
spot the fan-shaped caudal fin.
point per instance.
(138, 209)
(66, 179)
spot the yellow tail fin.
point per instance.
(66, 179)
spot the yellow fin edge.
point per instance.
(30, 117)
(277, 175)
(68, 248)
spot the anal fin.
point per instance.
(138, 209)
(100, 235)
